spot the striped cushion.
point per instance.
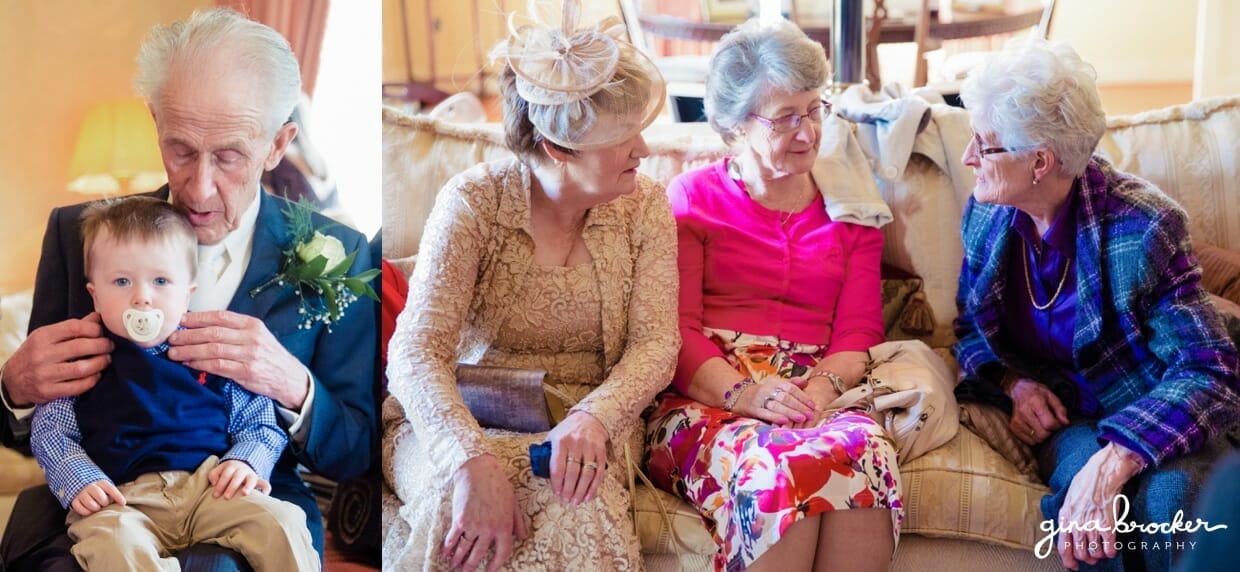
(965, 489)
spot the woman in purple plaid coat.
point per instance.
(1080, 300)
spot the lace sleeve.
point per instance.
(423, 350)
(653, 339)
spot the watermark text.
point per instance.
(1119, 511)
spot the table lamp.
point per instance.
(117, 150)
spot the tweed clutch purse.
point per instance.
(504, 398)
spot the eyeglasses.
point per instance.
(790, 123)
(983, 150)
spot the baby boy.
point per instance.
(156, 456)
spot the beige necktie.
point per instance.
(211, 267)
(220, 265)
(212, 263)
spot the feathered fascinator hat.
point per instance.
(587, 87)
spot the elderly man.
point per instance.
(221, 89)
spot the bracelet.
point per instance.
(837, 382)
(731, 396)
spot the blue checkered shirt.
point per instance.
(254, 436)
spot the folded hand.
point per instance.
(778, 401)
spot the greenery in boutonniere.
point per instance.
(315, 265)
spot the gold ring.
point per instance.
(573, 459)
(591, 465)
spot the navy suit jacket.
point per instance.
(342, 419)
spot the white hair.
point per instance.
(1037, 93)
(753, 60)
(258, 49)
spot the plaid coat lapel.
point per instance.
(1089, 266)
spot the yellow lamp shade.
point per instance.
(117, 150)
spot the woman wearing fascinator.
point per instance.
(561, 259)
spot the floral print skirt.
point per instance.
(750, 479)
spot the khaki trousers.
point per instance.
(168, 511)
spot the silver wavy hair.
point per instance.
(260, 50)
(754, 60)
(1037, 93)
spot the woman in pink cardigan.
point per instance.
(778, 305)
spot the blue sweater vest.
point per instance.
(149, 414)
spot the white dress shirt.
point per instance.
(221, 266)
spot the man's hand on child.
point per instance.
(96, 496)
(234, 477)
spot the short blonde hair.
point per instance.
(143, 219)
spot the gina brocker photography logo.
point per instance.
(1119, 514)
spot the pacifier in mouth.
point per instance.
(142, 325)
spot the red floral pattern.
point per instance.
(751, 480)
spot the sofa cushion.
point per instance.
(17, 472)
(924, 236)
(14, 318)
(992, 425)
(1189, 151)
(680, 528)
(965, 489)
(1220, 270)
(896, 293)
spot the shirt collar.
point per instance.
(234, 242)
(160, 349)
(1061, 236)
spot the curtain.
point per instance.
(300, 21)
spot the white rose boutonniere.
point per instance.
(315, 266)
(328, 247)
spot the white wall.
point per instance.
(57, 59)
(1133, 41)
(1217, 66)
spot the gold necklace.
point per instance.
(1029, 284)
(734, 171)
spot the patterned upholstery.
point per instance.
(1189, 151)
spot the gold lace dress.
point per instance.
(559, 319)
